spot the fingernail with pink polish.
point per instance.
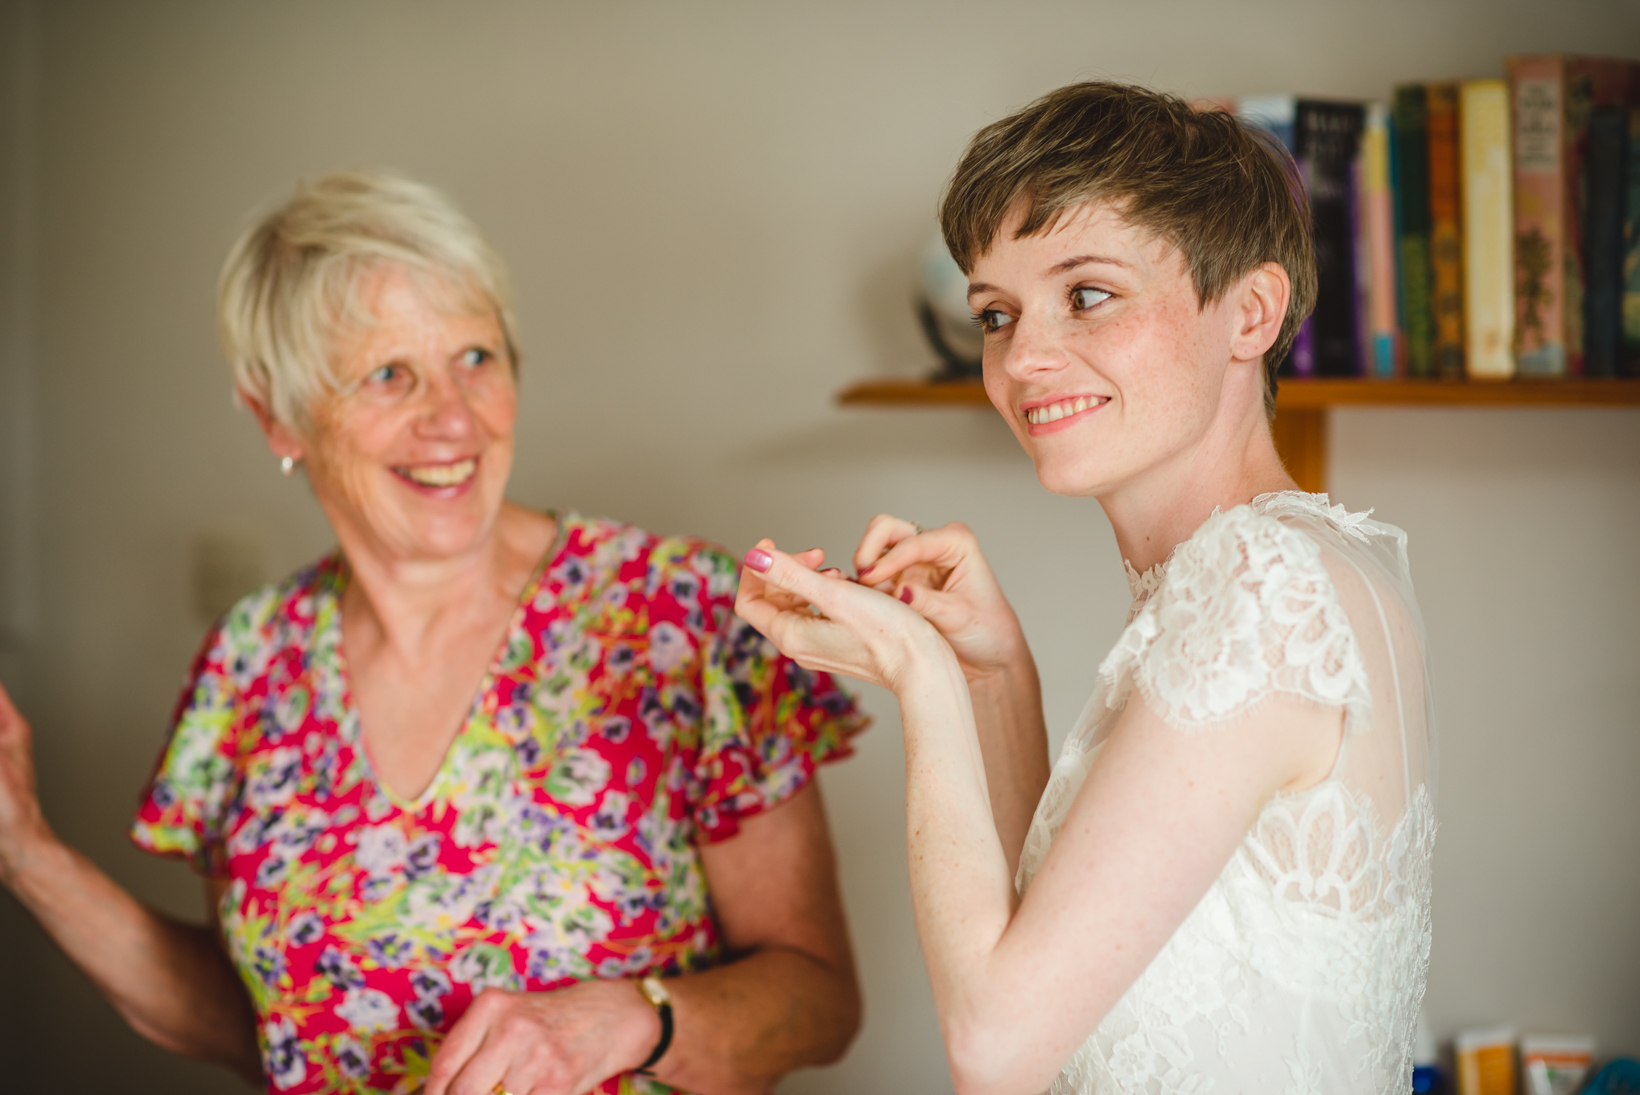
(759, 560)
(905, 594)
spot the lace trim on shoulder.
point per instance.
(1143, 586)
(1244, 608)
(1358, 524)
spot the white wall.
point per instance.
(713, 214)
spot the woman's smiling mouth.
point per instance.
(1049, 413)
(439, 475)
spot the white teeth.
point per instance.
(442, 475)
(1053, 412)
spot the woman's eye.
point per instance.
(475, 357)
(991, 320)
(1083, 299)
(387, 374)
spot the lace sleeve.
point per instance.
(1247, 608)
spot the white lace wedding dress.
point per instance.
(1302, 968)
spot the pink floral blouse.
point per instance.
(628, 718)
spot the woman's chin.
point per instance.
(428, 532)
(1071, 480)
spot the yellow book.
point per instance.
(1488, 229)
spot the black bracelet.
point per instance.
(664, 1010)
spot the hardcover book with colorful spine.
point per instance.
(1445, 240)
(1376, 260)
(1411, 148)
(1327, 136)
(1554, 97)
(1488, 228)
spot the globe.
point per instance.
(942, 309)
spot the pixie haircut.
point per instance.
(1226, 195)
(292, 282)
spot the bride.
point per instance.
(1224, 882)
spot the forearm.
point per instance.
(170, 981)
(961, 881)
(1013, 741)
(743, 1025)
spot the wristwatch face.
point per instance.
(654, 990)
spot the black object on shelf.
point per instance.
(953, 365)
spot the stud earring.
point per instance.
(287, 465)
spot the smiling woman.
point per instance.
(489, 798)
(1224, 882)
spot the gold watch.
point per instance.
(653, 989)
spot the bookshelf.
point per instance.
(1300, 425)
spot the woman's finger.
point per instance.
(812, 558)
(882, 532)
(457, 1049)
(786, 574)
(486, 1071)
(941, 548)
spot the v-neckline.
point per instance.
(353, 732)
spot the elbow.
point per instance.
(984, 1059)
(844, 1018)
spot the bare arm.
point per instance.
(787, 998)
(790, 998)
(944, 576)
(170, 981)
(1018, 988)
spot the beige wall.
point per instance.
(713, 214)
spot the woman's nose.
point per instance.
(446, 414)
(1034, 349)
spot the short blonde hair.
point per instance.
(1226, 195)
(292, 280)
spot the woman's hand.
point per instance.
(821, 620)
(950, 584)
(545, 1043)
(22, 825)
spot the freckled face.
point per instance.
(1096, 353)
(413, 452)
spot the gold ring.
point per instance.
(500, 1090)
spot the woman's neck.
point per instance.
(1160, 509)
(405, 601)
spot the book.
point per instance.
(1376, 242)
(1631, 248)
(1445, 243)
(1327, 139)
(1603, 187)
(1488, 228)
(1277, 113)
(1410, 146)
(1554, 97)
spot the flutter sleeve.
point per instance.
(183, 808)
(768, 723)
(1247, 609)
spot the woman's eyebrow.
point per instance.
(1083, 260)
(977, 287)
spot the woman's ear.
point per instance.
(282, 440)
(1262, 307)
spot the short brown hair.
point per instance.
(1225, 194)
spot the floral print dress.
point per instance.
(628, 718)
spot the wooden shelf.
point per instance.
(1305, 395)
(1300, 426)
